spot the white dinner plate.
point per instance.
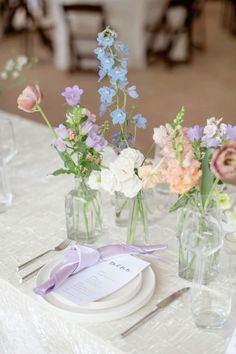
(95, 314)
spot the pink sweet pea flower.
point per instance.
(29, 98)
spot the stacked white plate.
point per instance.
(121, 303)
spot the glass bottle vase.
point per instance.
(137, 232)
(83, 213)
(199, 229)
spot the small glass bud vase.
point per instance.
(137, 232)
(122, 209)
(199, 229)
(83, 213)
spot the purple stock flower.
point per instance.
(194, 133)
(61, 132)
(59, 144)
(211, 142)
(118, 116)
(231, 132)
(139, 121)
(95, 141)
(132, 92)
(72, 95)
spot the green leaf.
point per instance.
(181, 202)
(61, 171)
(207, 179)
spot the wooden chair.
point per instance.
(191, 10)
(81, 35)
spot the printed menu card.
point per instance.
(102, 279)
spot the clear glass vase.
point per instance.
(137, 232)
(83, 213)
(122, 209)
(199, 229)
(211, 302)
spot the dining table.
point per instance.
(36, 222)
(128, 17)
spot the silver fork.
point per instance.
(59, 247)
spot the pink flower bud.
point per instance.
(223, 163)
(29, 98)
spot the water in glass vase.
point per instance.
(83, 213)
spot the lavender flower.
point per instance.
(59, 144)
(95, 141)
(194, 133)
(231, 132)
(72, 95)
(61, 132)
(139, 121)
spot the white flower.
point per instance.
(223, 129)
(210, 130)
(109, 182)
(94, 180)
(159, 135)
(131, 187)
(133, 154)
(122, 168)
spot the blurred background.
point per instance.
(181, 53)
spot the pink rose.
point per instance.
(29, 98)
(223, 163)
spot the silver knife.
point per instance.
(159, 306)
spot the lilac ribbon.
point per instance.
(80, 257)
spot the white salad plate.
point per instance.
(121, 303)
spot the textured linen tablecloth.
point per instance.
(35, 222)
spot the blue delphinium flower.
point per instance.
(107, 62)
(132, 92)
(122, 84)
(118, 73)
(120, 142)
(139, 121)
(104, 39)
(112, 55)
(102, 109)
(100, 52)
(123, 47)
(118, 116)
(106, 94)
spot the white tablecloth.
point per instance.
(128, 17)
(35, 222)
